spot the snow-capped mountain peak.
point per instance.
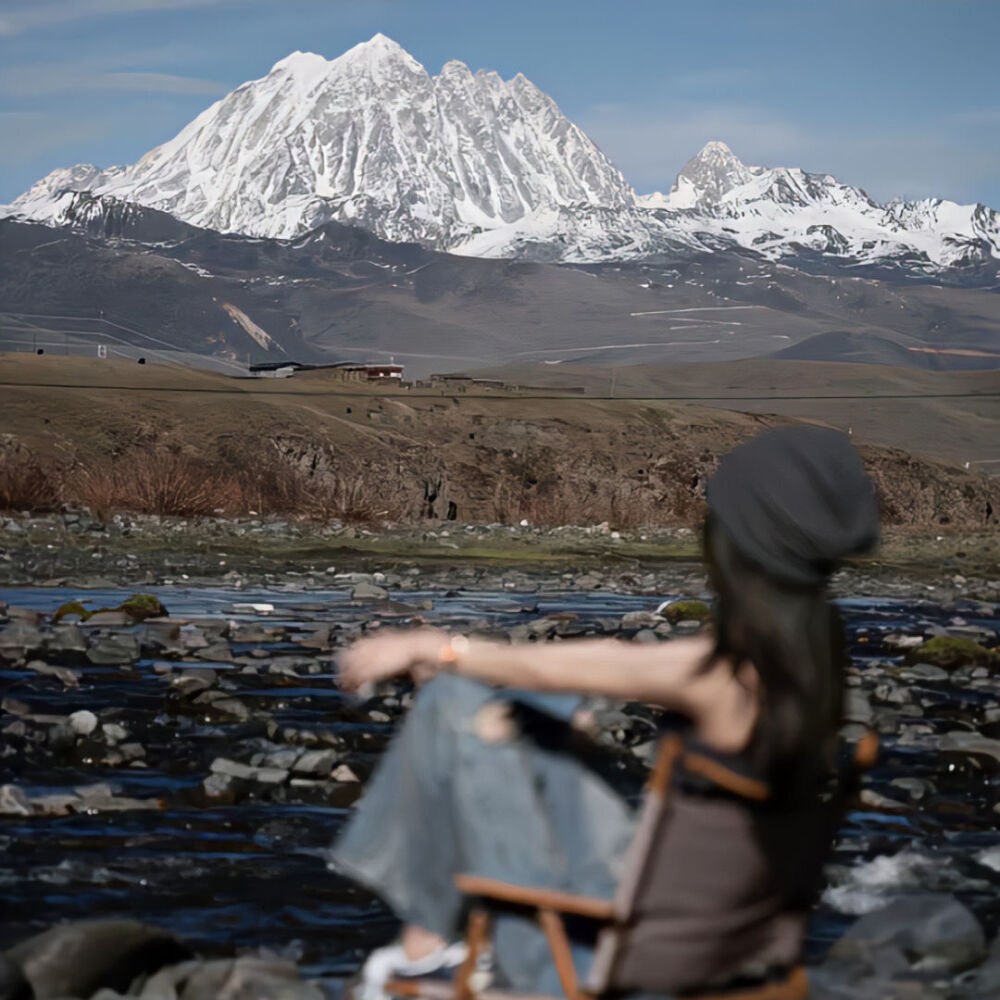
(705, 179)
(782, 212)
(370, 139)
(709, 176)
(380, 59)
(300, 64)
(472, 163)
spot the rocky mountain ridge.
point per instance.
(476, 165)
(368, 139)
(775, 211)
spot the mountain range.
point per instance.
(474, 165)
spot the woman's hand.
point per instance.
(391, 654)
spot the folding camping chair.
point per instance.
(615, 916)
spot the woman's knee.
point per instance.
(451, 697)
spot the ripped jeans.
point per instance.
(525, 810)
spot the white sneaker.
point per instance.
(386, 963)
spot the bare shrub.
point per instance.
(152, 482)
(506, 499)
(315, 483)
(631, 506)
(547, 503)
(178, 485)
(26, 482)
(623, 504)
(561, 505)
(354, 490)
(95, 485)
(270, 486)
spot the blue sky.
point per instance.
(900, 97)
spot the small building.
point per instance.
(452, 382)
(366, 371)
(377, 372)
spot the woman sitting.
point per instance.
(482, 779)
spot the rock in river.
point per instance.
(263, 775)
(68, 678)
(83, 723)
(13, 802)
(19, 638)
(369, 592)
(948, 652)
(931, 933)
(114, 649)
(985, 750)
(77, 959)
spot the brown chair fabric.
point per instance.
(707, 909)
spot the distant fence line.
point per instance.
(18, 333)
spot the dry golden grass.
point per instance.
(27, 482)
(172, 483)
(150, 482)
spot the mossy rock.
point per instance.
(138, 607)
(687, 611)
(949, 653)
(71, 608)
(142, 606)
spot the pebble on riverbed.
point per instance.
(86, 799)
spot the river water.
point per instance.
(254, 873)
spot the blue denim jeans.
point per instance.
(527, 811)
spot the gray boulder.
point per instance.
(83, 722)
(18, 639)
(245, 978)
(78, 959)
(67, 677)
(114, 649)
(13, 802)
(985, 750)
(985, 984)
(66, 639)
(934, 932)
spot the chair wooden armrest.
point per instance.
(541, 899)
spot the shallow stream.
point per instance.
(252, 872)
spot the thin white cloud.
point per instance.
(979, 116)
(160, 83)
(29, 16)
(29, 134)
(40, 79)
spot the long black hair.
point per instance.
(793, 636)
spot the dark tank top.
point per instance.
(726, 886)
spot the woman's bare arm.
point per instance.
(663, 673)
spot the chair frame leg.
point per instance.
(477, 934)
(562, 955)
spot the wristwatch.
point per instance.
(456, 646)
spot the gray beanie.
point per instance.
(795, 501)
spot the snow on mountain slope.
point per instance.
(370, 139)
(785, 211)
(480, 166)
